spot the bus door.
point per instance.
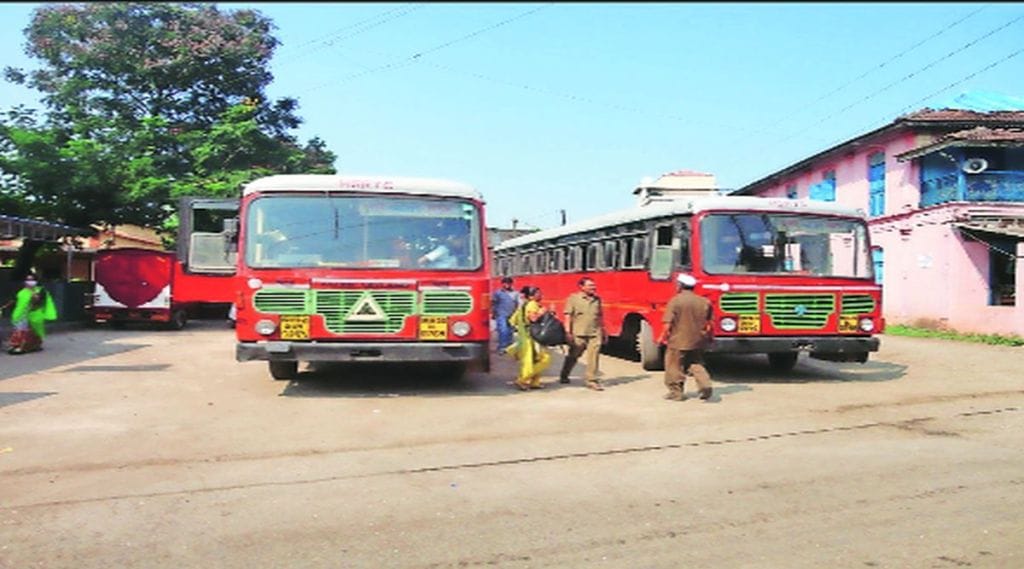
(208, 235)
(670, 248)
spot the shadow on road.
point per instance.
(755, 368)
(68, 345)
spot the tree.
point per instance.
(145, 102)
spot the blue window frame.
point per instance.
(878, 262)
(825, 190)
(876, 183)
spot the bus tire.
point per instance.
(652, 358)
(178, 319)
(284, 370)
(782, 361)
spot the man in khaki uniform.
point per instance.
(585, 332)
(686, 335)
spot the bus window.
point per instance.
(639, 251)
(783, 244)
(592, 257)
(684, 245)
(611, 254)
(575, 258)
(558, 260)
(661, 256)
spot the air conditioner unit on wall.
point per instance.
(974, 165)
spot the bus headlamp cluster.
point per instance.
(866, 324)
(265, 327)
(461, 328)
(727, 324)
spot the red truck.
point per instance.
(143, 285)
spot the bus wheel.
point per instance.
(651, 356)
(178, 319)
(284, 370)
(782, 361)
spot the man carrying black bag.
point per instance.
(585, 332)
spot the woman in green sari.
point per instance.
(533, 358)
(33, 306)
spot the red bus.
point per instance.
(360, 268)
(784, 276)
(145, 285)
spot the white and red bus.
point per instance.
(784, 276)
(361, 268)
(144, 285)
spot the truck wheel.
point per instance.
(652, 358)
(782, 361)
(284, 370)
(178, 319)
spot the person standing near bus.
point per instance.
(585, 332)
(686, 335)
(504, 303)
(533, 358)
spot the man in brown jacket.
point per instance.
(686, 335)
(585, 332)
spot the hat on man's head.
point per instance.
(686, 280)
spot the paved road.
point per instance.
(145, 448)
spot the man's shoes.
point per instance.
(705, 393)
(675, 397)
(595, 386)
(563, 380)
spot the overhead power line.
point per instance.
(898, 81)
(878, 124)
(414, 57)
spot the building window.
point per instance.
(825, 190)
(878, 263)
(791, 191)
(876, 183)
(1003, 263)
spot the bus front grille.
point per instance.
(446, 302)
(336, 306)
(739, 303)
(799, 311)
(854, 304)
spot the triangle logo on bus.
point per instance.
(366, 309)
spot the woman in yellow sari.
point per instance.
(533, 358)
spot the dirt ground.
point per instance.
(150, 448)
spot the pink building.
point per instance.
(944, 190)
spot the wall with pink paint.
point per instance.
(933, 276)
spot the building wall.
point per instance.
(933, 275)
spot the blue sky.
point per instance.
(546, 107)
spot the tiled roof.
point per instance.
(953, 115)
(978, 134)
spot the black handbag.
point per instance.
(548, 330)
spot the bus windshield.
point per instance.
(784, 244)
(362, 232)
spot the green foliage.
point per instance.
(915, 332)
(145, 102)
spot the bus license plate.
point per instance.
(295, 327)
(750, 323)
(847, 323)
(433, 328)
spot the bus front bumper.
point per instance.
(450, 352)
(830, 348)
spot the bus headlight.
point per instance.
(255, 283)
(265, 327)
(461, 328)
(727, 324)
(867, 324)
